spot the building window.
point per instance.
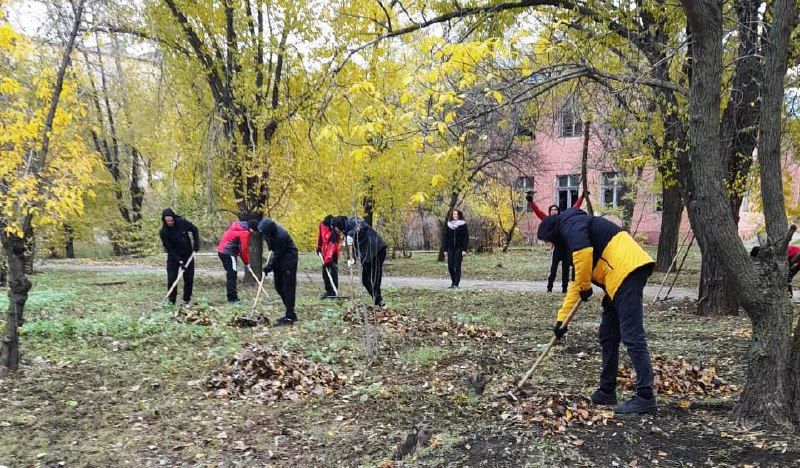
(523, 184)
(570, 121)
(611, 189)
(567, 186)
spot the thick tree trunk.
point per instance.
(671, 214)
(69, 242)
(717, 296)
(764, 398)
(18, 287)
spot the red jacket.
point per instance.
(793, 251)
(234, 241)
(327, 243)
(541, 214)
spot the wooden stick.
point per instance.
(330, 277)
(549, 346)
(671, 265)
(260, 284)
(180, 273)
(678, 271)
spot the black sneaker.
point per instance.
(637, 405)
(284, 322)
(600, 397)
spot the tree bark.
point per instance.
(764, 398)
(18, 287)
(69, 242)
(671, 214)
(717, 296)
(451, 205)
(584, 166)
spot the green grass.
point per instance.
(109, 377)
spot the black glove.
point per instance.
(586, 294)
(585, 194)
(267, 270)
(319, 251)
(558, 331)
(197, 248)
(529, 197)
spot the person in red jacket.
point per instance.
(793, 253)
(328, 251)
(234, 243)
(556, 255)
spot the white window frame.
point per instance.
(572, 187)
(611, 180)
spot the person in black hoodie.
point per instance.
(282, 263)
(174, 235)
(456, 241)
(369, 251)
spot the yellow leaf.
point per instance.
(497, 96)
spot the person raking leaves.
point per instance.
(174, 234)
(606, 255)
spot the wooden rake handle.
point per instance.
(180, 273)
(549, 346)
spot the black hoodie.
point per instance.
(367, 241)
(284, 252)
(176, 238)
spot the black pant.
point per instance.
(332, 282)
(623, 321)
(559, 256)
(372, 274)
(286, 285)
(454, 259)
(188, 278)
(229, 263)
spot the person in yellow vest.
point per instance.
(604, 254)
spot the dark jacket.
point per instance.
(602, 252)
(280, 243)
(367, 243)
(176, 238)
(456, 239)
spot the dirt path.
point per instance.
(390, 281)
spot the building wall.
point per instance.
(559, 156)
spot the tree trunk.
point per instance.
(18, 286)
(255, 249)
(762, 293)
(671, 214)
(584, 166)
(717, 296)
(450, 207)
(69, 243)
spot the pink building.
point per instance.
(557, 180)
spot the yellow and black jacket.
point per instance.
(602, 252)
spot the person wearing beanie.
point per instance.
(456, 241)
(233, 244)
(606, 255)
(174, 234)
(282, 264)
(556, 256)
(328, 251)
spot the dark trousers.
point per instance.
(229, 263)
(558, 256)
(188, 278)
(286, 286)
(371, 276)
(454, 259)
(332, 282)
(623, 321)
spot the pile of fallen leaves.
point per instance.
(246, 321)
(266, 374)
(554, 412)
(393, 321)
(188, 314)
(676, 377)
